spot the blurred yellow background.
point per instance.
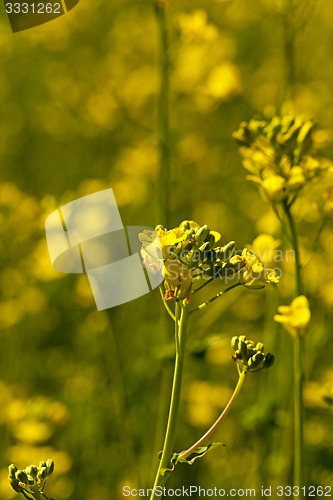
(79, 113)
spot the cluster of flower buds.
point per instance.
(282, 154)
(190, 252)
(249, 356)
(31, 481)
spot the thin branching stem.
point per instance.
(217, 296)
(211, 431)
(163, 472)
(171, 314)
(298, 365)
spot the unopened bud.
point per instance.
(256, 360)
(202, 234)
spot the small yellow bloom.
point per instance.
(195, 27)
(253, 269)
(264, 247)
(296, 178)
(295, 317)
(274, 188)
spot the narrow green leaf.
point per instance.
(199, 452)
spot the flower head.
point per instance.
(295, 317)
(184, 254)
(251, 269)
(282, 155)
(264, 246)
(250, 356)
(31, 480)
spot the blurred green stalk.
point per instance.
(162, 119)
(164, 469)
(298, 366)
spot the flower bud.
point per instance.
(22, 477)
(204, 246)
(269, 360)
(259, 346)
(255, 361)
(202, 234)
(250, 357)
(32, 471)
(50, 466)
(228, 250)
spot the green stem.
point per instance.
(166, 305)
(295, 244)
(298, 414)
(217, 296)
(216, 424)
(38, 495)
(162, 125)
(182, 315)
(316, 241)
(203, 285)
(298, 367)
(289, 48)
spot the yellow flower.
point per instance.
(296, 178)
(253, 269)
(264, 247)
(274, 188)
(195, 27)
(178, 277)
(295, 317)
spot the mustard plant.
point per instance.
(31, 481)
(282, 156)
(190, 257)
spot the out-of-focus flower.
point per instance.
(295, 317)
(273, 187)
(194, 27)
(264, 247)
(328, 201)
(281, 155)
(223, 82)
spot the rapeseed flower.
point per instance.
(295, 317)
(282, 155)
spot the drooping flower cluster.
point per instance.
(253, 269)
(31, 481)
(191, 252)
(282, 155)
(249, 356)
